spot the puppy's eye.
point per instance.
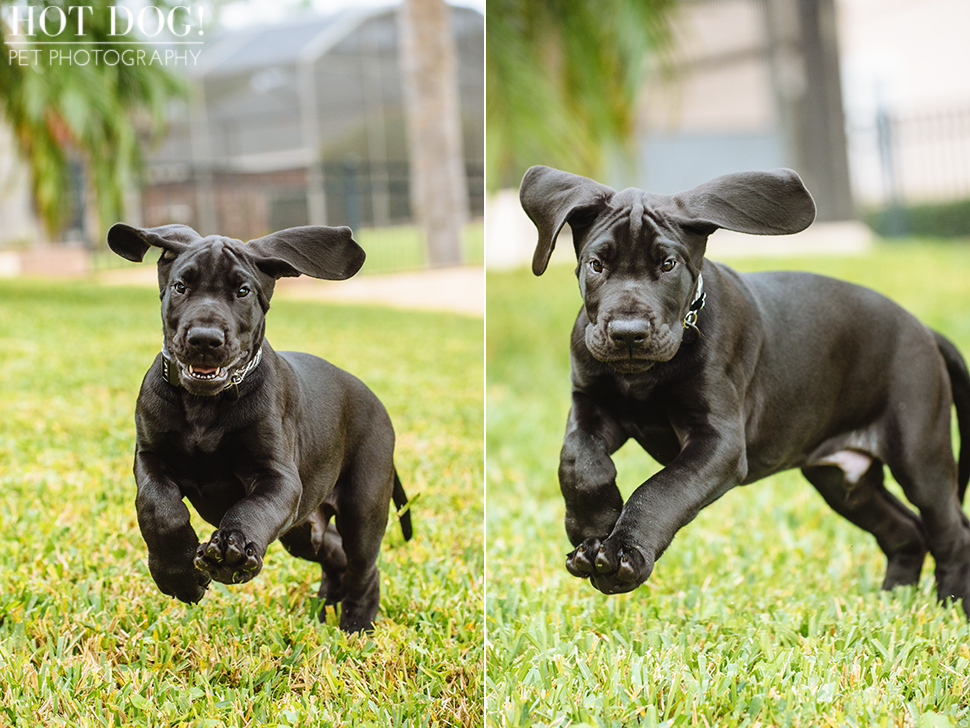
(668, 265)
(242, 291)
(595, 266)
(178, 287)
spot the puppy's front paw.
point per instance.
(180, 581)
(611, 566)
(227, 557)
(579, 561)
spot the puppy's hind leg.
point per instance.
(863, 500)
(363, 497)
(930, 484)
(347, 549)
(317, 540)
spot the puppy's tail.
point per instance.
(960, 385)
(401, 500)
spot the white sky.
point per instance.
(246, 12)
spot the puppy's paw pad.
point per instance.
(228, 558)
(602, 562)
(580, 561)
(620, 568)
(625, 571)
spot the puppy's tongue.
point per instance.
(203, 370)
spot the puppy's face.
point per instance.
(214, 300)
(638, 276)
(640, 253)
(215, 291)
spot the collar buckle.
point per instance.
(690, 320)
(170, 371)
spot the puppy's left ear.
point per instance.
(758, 203)
(313, 250)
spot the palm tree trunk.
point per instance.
(439, 190)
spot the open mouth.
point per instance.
(205, 374)
(207, 378)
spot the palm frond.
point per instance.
(563, 78)
(96, 113)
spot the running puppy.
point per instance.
(727, 378)
(263, 444)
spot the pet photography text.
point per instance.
(75, 35)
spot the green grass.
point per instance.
(403, 247)
(765, 611)
(85, 637)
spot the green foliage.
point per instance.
(85, 637)
(936, 219)
(95, 112)
(562, 80)
(766, 610)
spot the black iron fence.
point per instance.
(911, 173)
(372, 198)
(364, 194)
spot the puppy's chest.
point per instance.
(200, 439)
(204, 430)
(642, 408)
(210, 468)
(638, 391)
(213, 454)
(207, 453)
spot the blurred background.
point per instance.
(334, 112)
(867, 99)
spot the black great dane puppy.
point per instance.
(264, 444)
(727, 378)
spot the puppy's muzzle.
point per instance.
(205, 341)
(629, 334)
(205, 359)
(632, 343)
(206, 349)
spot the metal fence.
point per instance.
(906, 166)
(372, 198)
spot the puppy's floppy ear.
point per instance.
(132, 243)
(759, 203)
(313, 250)
(552, 198)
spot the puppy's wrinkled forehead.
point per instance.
(217, 264)
(636, 210)
(631, 214)
(214, 257)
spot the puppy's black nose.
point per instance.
(628, 333)
(204, 337)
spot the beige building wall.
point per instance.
(18, 225)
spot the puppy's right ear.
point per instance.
(132, 243)
(551, 198)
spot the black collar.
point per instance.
(170, 372)
(690, 320)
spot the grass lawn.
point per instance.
(85, 637)
(403, 247)
(765, 611)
